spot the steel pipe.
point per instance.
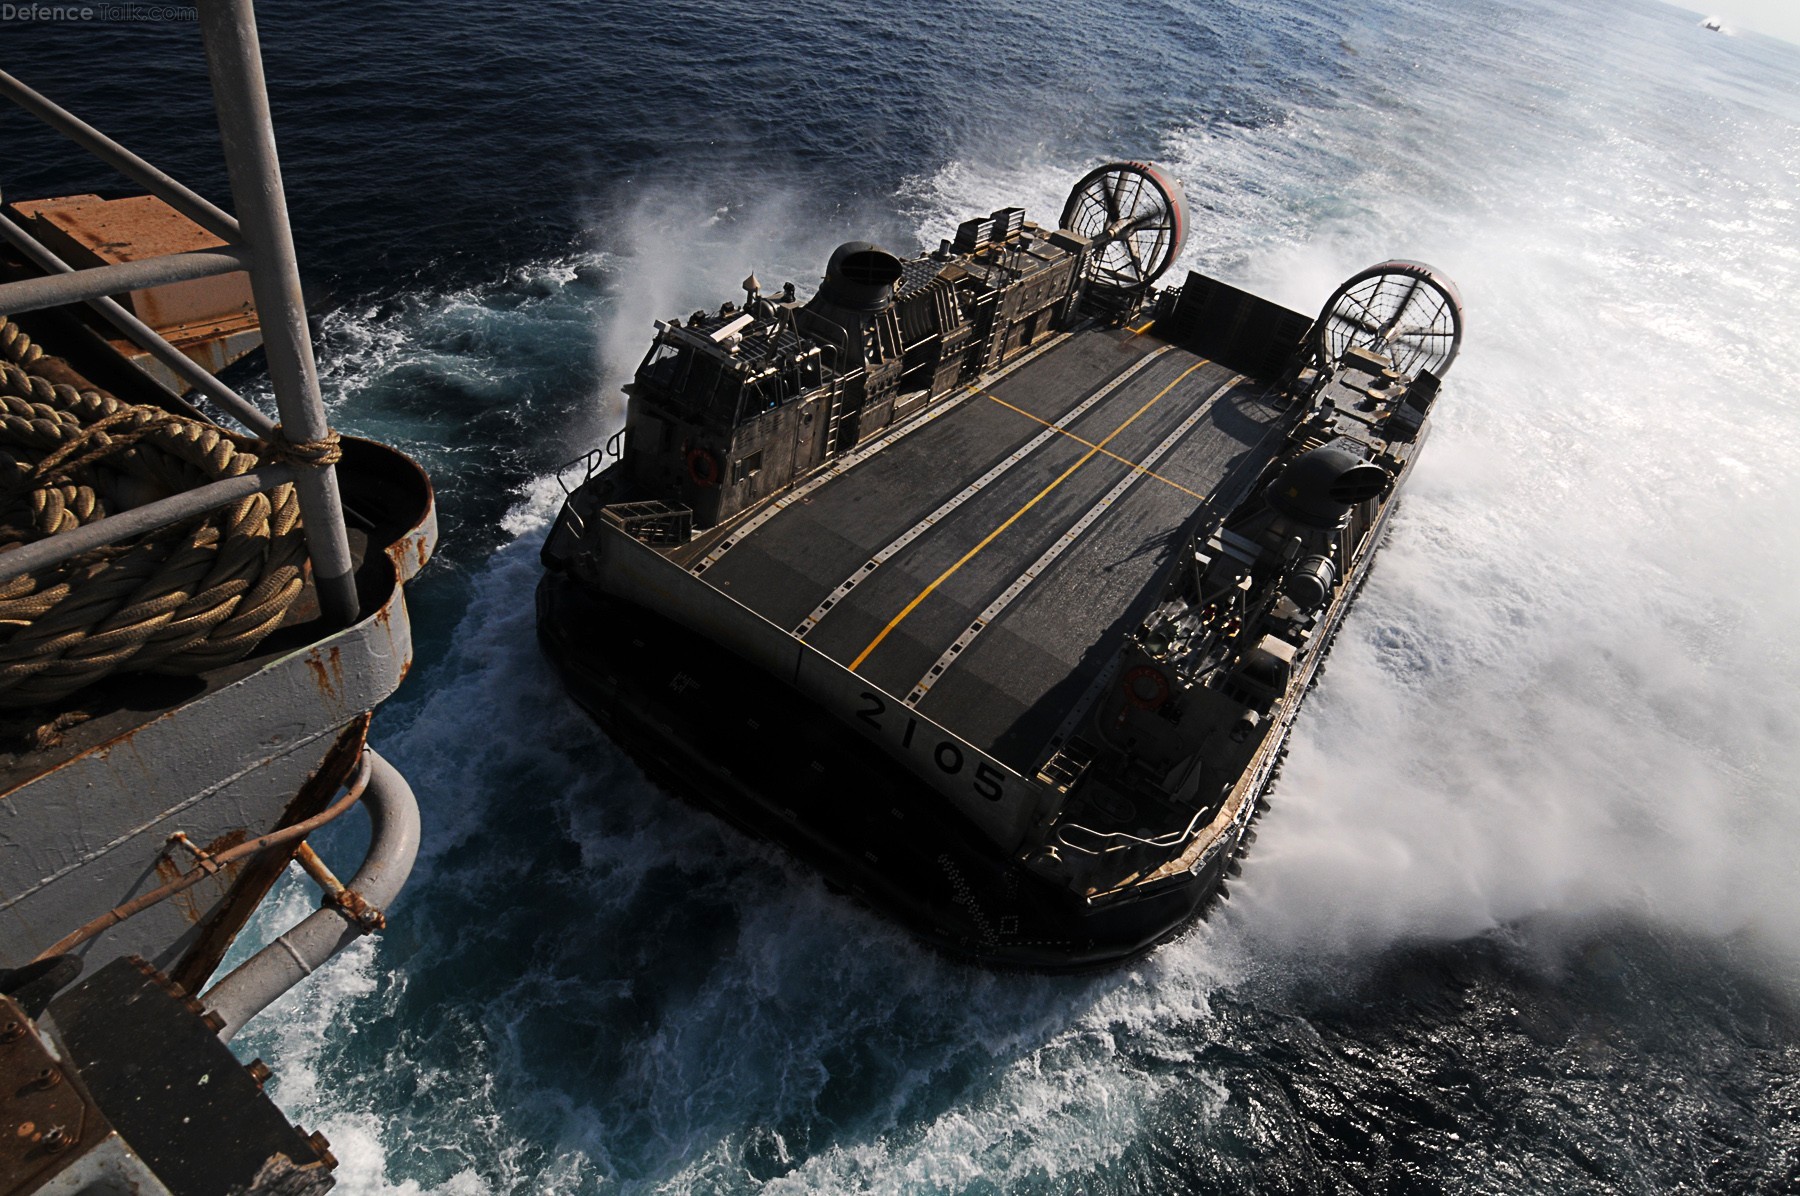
(188, 202)
(209, 865)
(146, 337)
(51, 550)
(94, 282)
(261, 980)
(234, 62)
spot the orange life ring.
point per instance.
(703, 468)
(1158, 692)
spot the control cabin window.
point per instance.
(665, 367)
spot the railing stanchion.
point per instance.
(234, 61)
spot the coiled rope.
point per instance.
(180, 600)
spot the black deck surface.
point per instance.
(1013, 684)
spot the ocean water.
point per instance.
(1525, 913)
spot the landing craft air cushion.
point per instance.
(989, 582)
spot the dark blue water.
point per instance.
(1525, 915)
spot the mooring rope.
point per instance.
(180, 600)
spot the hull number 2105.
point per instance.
(921, 738)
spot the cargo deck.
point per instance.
(984, 562)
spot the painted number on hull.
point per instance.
(984, 778)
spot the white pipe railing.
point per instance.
(261, 980)
(93, 282)
(259, 240)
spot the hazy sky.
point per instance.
(1777, 18)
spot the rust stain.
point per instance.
(173, 863)
(226, 842)
(328, 669)
(410, 554)
(385, 618)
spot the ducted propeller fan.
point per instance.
(1134, 216)
(1406, 311)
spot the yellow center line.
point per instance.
(1014, 518)
(1135, 467)
(1142, 328)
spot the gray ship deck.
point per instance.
(1010, 558)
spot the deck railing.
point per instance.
(257, 240)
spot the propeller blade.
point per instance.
(1131, 252)
(1387, 330)
(1359, 325)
